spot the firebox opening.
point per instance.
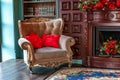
(106, 41)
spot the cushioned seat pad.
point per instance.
(42, 53)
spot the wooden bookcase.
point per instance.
(39, 8)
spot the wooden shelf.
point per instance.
(39, 16)
(27, 2)
(41, 8)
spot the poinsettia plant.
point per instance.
(110, 47)
(99, 4)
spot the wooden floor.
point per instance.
(17, 70)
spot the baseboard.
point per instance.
(77, 61)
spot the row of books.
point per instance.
(29, 11)
(49, 11)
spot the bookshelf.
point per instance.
(39, 8)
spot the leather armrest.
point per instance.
(26, 45)
(23, 43)
(66, 42)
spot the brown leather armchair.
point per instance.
(45, 56)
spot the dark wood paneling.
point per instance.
(76, 17)
(104, 62)
(75, 5)
(66, 16)
(79, 24)
(66, 5)
(75, 25)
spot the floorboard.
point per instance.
(16, 69)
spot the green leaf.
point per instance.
(94, 1)
(85, 2)
(116, 46)
(110, 38)
(104, 43)
(80, 6)
(101, 53)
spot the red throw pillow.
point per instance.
(51, 40)
(35, 40)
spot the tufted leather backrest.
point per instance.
(40, 26)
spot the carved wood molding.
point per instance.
(107, 16)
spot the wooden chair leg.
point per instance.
(70, 64)
(30, 69)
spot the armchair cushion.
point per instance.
(51, 40)
(42, 53)
(35, 40)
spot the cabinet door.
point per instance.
(75, 25)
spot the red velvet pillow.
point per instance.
(35, 40)
(51, 40)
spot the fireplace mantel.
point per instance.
(105, 16)
(102, 19)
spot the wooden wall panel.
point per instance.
(66, 29)
(66, 5)
(75, 25)
(77, 29)
(75, 5)
(76, 17)
(66, 17)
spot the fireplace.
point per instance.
(103, 26)
(103, 36)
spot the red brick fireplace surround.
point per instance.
(102, 19)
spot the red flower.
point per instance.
(99, 4)
(94, 8)
(107, 51)
(105, 1)
(114, 42)
(110, 47)
(118, 3)
(115, 51)
(111, 5)
(91, 6)
(84, 6)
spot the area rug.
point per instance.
(85, 74)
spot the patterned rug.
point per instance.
(85, 74)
